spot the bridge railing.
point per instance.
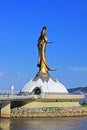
(4, 93)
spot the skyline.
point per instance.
(20, 26)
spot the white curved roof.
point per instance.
(49, 86)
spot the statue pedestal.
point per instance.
(42, 84)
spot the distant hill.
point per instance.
(78, 90)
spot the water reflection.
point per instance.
(4, 124)
(74, 123)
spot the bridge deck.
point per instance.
(14, 97)
(9, 97)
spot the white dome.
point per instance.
(47, 85)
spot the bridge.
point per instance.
(16, 96)
(6, 99)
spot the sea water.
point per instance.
(64, 123)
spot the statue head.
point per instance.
(43, 32)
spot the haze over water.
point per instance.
(67, 123)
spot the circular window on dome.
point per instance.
(37, 91)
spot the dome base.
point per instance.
(42, 84)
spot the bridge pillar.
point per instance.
(5, 109)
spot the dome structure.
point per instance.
(43, 85)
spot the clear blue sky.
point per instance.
(20, 24)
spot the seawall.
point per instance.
(48, 112)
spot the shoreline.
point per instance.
(48, 112)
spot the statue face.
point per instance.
(43, 33)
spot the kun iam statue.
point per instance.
(42, 62)
(43, 82)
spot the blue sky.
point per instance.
(20, 24)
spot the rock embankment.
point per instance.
(49, 112)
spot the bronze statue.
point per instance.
(42, 62)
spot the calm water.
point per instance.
(71, 123)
